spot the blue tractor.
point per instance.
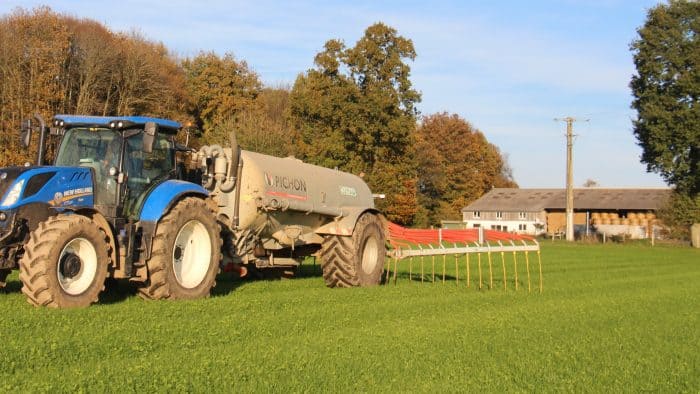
(111, 206)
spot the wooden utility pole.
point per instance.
(569, 176)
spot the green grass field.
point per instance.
(619, 318)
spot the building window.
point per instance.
(522, 215)
(476, 225)
(477, 214)
(522, 227)
(499, 215)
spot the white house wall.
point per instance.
(511, 221)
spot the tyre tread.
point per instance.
(34, 264)
(158, 285)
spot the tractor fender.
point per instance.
(158, 203)
(165, 195)
(346, 224)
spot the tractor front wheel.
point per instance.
(186, 253)
(65, 262)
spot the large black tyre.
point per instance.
(357, 260)
(65, 262)
(186, 253)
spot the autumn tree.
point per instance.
(33, 47)
(92, 59)
(148, 80)
(356, 111)
(265, 128)
(220, 90)
(456, 166)
(51, 63)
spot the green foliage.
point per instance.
(456, 166)
(666, 90)
(612, 318)
(221, 90)
(356, 111)
(679, 213)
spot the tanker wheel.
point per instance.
(65, 262)
(357, 260)
(186, 253)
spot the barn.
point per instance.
(630, 211)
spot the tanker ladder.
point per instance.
(467, 249)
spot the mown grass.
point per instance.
(613, 318)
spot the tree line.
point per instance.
(666, 90)
(355, 110)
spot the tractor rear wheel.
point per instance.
(357, 260)
(186, 253)
(65, 262)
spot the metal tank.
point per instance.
(279, 210)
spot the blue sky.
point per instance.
(508, 67)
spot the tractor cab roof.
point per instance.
(114, 122)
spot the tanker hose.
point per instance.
(213, 151)
(232, 164)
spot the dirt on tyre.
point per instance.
(186, 253)
(357, 260)
(65, 262)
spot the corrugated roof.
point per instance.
(536, 200)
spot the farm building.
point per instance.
(538, 211)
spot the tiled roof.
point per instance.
(536, 200)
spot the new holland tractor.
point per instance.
(120, 202)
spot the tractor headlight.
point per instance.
(3, 216)
(13, 194)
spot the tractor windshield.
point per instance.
(94, 148)
(82, 147)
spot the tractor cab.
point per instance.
(127, 156)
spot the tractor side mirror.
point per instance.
(150, 131)
(26, 133)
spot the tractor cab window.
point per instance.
(145, 170)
